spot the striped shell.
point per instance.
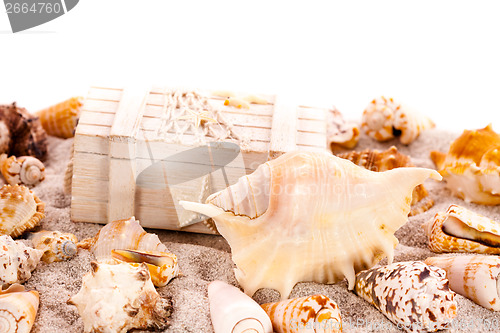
(473, 276)
(412, 295)
(57, 246)
(25, 170)
(462, 230)
(60, 120)
(17, 260)
(20, 210)
(300, 315)
(340, 134)
(18, 309)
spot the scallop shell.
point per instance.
(462, 230)
(233, 311)
(341, 134)
(384, 119)
(162, 266)
(310, 217)
(20, 210)
(117, 298)
(26, 170)
(471, 167)
(18, 309)
(17, 260)
(57, 246)
(413, 295)
(122, 235)
(316, 313)
(60, 120)
(389, 159)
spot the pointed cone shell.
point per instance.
(26, 170)
(18, 309)
(60, 120)
(233, 311)
(57, 246)
(341, 134)
(475, 277)
(298, 314)
(409, 292)
(17, 260)
(462, 230)
(324, 219)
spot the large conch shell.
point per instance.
(476, 277)
(316, 313)
(56, 245)
(20, 210)
(310, 217)
(413, 295)
(117, 298)
(462, 230)
(340, 133)
(16, 260)
(25, 170)
(233, 311)
(384, 119)
(60, 120)
(471, 167)
(18, 309)
(375, 160)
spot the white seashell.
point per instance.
(17, 260)
(340, 134)
(412, 295)
(57, 246)
(18, 309)
(26, 170)
(117, 298)
(233, 311)
(281, 220)
(316, 313)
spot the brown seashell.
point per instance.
(17, 260)
(25, 170)
(57, 246)
(60, 120)
(18, 309)
(341, 134)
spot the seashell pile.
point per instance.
(471, 167)
(25, 170)
(17, 260)
(310, 217)
(60, 120)
(18, 309)
(413, 295)
(340, 133)
(57, 246)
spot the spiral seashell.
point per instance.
(60, 120)
(340, 134)
(57, 246)
(25, 170)
(233, 311)
(162, 266)
(316, 313)
(18, 309)
(282, 219)
(412, 295)
(68, 174)
(20, 210)
(17, 260)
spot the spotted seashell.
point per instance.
(340, 133)
(25, 170)
(20, 210)
(57, 246)
(413, 295)
(17, 260)
(60, 120)
(305, 314)
(18, 309)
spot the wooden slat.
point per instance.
(91, 165)
(155, 217)
(88, 211)
(284, 129)
(89, 188)
(91, 144)
(96, 118)
(94, 105)
(96, 93)
(311, 113)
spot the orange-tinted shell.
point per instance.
(341, 134)
(18, 309)
(60, 120)
(26, 170)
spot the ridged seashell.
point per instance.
(316, 313)
(471, 167)
(384, 119)
(340, 134)
(18, 309)
(25, 170)
(20, 210)
(68, 174)
(57, 246)
(162, 266)
(462, 230)
(389, 159)
(22, 133)
(233, 311)
(413, 295)
(60, 120)
(17, 260)
(121, 235)
(117, 298)
(310, 217)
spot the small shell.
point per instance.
(25, 170)
(412, 295)
(17, 260)
(18, 309)
(20, 210)
(305, 314)
(462, 230)
(341, 134)
(68, 174)
(237, 103)
(474, 276)
(57, 246)
(162, 266)
(233, 311)
(60, 120)
(122, 235)
(118, 298)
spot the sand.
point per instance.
(204, 258)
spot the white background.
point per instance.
(441, 57)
